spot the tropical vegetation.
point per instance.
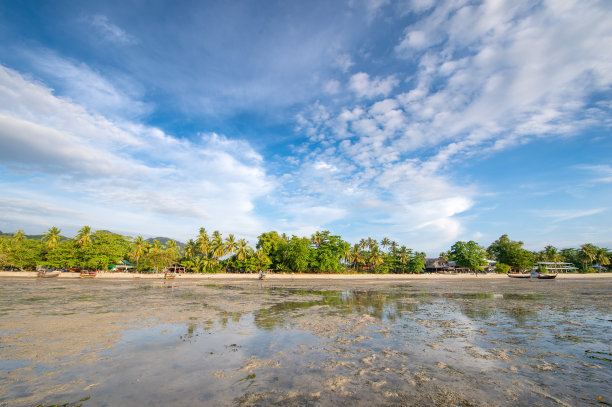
(322, 252)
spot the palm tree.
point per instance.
(404, 255)
(317, 238)
(242, 250)
(372, 243)
(588, 253)
(83, 237)
(376, 257)
(602, 257)
(261, 258)
(346, 252)
(385, 242)
(52, 237)
(173, 249)
(356, 257)
(139, 248)
(190, 249)
(363, 243)
(230, 244)
(207, 263)
(203, 244)
(217, 248)
(393, 246)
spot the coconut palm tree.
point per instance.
(173, 249)
(190, 249)
(261, 258)
(588, 253)
(242, 250)
(202, 242)
(217, 248)
(356, 257)
(52, 237)
(363, 243)
(385, 242)
(394, 246)
(206, 263)
(376, 257)
(83, 238)
(372, 243)
(404, 257)
(139, 248)
(317, 238)
(230, 244)
(602, 257)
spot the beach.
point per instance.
(305, 340)
(304, 276)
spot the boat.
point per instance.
(48, 273)
(88, 274)
(519, 275)
(169, 275)
(546, 276)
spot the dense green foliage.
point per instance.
(509, 252)
(321, 253)
(470, 255)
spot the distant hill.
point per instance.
(161, 239)
(164, 240)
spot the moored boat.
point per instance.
(169, 275)
(546, 276)
(519, 275)
(88, 274)
(48, 273)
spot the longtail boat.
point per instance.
(519, 275)
(546, 276)
(48, 273)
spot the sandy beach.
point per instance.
(289, 277)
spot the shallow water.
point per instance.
(436, 342)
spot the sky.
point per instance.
(423, 121)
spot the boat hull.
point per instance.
(516, 275)
(48, 274)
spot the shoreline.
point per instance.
(290, 277)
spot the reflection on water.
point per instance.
(428, 343)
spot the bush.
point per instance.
(502, 268)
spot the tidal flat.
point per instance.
(305, 343)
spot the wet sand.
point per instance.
(301, 340)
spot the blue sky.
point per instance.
(423, 121)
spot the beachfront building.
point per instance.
(440, 266)
(554, 268)
(123, 266)
(175, 268)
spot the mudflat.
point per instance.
(305, 340)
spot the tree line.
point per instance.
(322, 252)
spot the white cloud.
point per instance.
(111, 31)
(332, 87)
(343, 62)
(127, 166)
(560, 215)
(489, 76)
(363, 86)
